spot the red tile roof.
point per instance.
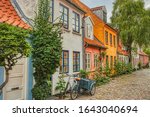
(9, 15)
(94, 42)
(98, 23)
(142, 53)
(120, 51)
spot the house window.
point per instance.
(111, 63)
(95, 60)
(64, 63)
(88, 61)
(107, 60)
(76, 22)
(106, 37)
(111, 39)
(89, 30)
(51, 10)
(64, 12)
(76, 61)
(114, 41)
(115, 60)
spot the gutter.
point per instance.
(22, 13)
(69, 1)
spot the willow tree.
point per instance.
(47, 49)
(131, 19)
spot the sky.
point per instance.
(108, 4)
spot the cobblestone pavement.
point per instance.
(135, 86)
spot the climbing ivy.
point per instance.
(13, 46)
(47, 49)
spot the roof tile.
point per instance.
(9, 15)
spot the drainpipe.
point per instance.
(83, 48)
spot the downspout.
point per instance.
(83, 48)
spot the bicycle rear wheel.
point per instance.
(74, 92)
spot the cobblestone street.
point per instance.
(135, 86)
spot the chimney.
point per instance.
(101, 12)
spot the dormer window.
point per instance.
(89, 30)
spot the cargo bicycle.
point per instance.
(79, 86)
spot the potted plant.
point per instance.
(61, 87)
(83, 74)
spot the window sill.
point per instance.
(76, 33)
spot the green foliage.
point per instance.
(41, 91)
(139, 65)
(147, 51)
(122, 68)
(103, 54)
(101, 80)
(83, 74)
(132, 21)
(107, 70)
(47, 44)
(61, 85)
(13, 45)
(100, 77)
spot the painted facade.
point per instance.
(143, 58)
(72, 56)
(93, 47)
(123, 55)
(111, 44)
(71, 16)
(139, 57)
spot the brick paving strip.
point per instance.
(135, 86)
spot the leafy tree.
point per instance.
(47, 49)
(13, 46)
(147, 51)
(132, 20)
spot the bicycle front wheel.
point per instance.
(74, 92)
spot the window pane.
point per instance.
(76, 22)
(64, 15)
(64, 63)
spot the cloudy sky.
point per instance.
(108, 4)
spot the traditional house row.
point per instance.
(123, 55)
(139, 58)
(87, 39)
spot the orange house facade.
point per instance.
(110, 41)
(104, 37)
